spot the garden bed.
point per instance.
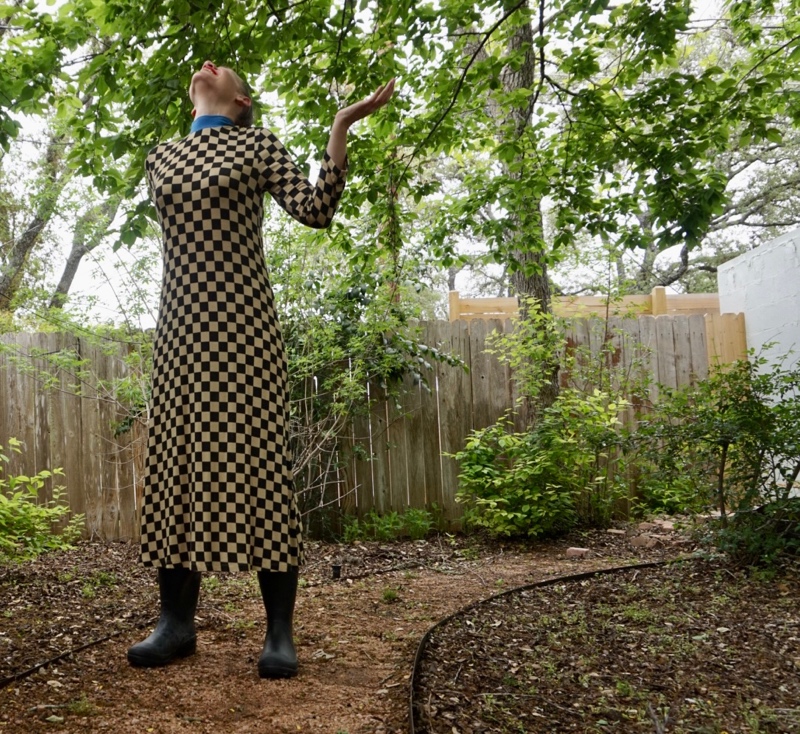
(692, 646)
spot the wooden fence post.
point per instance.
(658, 301)
(454, 306)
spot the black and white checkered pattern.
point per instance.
(218, 484)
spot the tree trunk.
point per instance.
(90, 229)
(55, 178)
(530, 280)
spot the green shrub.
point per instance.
(418, 523)
(561, 472)
(505, 485)
(570, 466)
(730, 442)
(29, 527)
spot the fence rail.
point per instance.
(658, 303)
(396, 457)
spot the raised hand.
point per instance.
(360, 110)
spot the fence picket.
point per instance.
(429, 411)
(698, 347)
(378, 418)
(398, 459)
(683, 350)
(414, 437)
(455, 395)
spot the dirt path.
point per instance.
(356, 641)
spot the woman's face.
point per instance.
(217, 83)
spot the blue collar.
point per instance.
(204, 121)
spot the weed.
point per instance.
(417, 523)
(389, 595)
(81, 707)
(28, 525)
(241, 625)
(413, 523)
(210, 583)
(756, 717)
(636, 613)
(623, 688)
(98, 580)
(104, 578)
(468, 554)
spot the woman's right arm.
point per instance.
(311, 204)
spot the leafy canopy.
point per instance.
(591, 114)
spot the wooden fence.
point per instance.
(410, 441)
(395, 458)
(66, 418)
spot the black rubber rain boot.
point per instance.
(174, 635)
(278, 590)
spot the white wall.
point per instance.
(764, 284)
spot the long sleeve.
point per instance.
(311, 204)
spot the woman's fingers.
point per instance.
(371, 104)
(381, 95)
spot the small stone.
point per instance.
(577, 552)
(644, 541)
(666, 524)
(615, 531)
(647, 526)
(55, 683)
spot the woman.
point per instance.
(218, 485)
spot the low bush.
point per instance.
(561, 472)
(568, 466)
(731, 443)
(415, 524)
(29, 527)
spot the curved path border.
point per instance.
(423, 643)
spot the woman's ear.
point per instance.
(194, 113)
(243, 101)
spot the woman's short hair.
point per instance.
(245, 117)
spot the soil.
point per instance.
(356, 636)
(694, 646)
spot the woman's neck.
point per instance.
(201, 122)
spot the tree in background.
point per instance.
(624, 124)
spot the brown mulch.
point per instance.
(693, 646)
(356, 637)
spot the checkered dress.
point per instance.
(218, 483)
